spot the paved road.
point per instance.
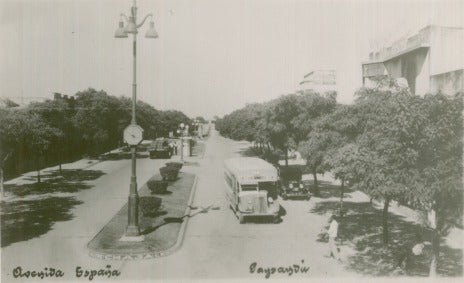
(217, 246)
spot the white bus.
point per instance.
(251, 187)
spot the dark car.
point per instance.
(160, 149)
(291, 185)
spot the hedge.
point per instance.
(149, 205)
(169, 173)
(157, 186)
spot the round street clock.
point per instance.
(133, 134)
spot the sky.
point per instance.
(211, 57)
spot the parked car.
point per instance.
(160, 148)
(291, 185)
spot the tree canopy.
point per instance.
(88, 123)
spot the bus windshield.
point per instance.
(252, 187)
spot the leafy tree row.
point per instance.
(390, 144)
(278, 125)
(63, 129)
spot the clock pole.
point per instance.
(133, 229)
(133, 134)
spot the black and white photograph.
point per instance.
(231, 140)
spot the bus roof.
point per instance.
(244, 166)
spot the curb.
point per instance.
(162, 253)
(183, 227)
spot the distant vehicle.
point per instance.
(160, 148)
(291, 185)
(251, 188)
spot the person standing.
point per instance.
(333, 233)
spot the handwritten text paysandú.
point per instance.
(289, 270)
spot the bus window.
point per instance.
(249, 187)
(270, 187)
(228, 180)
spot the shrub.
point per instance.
(157, 186)
(177, 165)
(149, 205)
(169, 173)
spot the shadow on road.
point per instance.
(24, 220)
(361, 226)
(169, 220)
(328, 189)
(34, 213)
(122, 155)
(56, 179)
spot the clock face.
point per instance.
(133, 134)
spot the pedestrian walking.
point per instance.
(333, 233)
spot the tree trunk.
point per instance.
(342, 191)
(385, 220)
(2, 164)
(316, 186)
(435, 250)
(286, 157)
(1, 181)
(38, 169)
(61, 161)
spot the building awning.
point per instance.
(405, 51)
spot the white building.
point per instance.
(431, 60)
(318, 81)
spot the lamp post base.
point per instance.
(125, 238)
(132, 235)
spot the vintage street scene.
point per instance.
(231, 140)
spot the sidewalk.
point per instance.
(64, 244)
(454, 239)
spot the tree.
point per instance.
(388, 146)
(200, 119)
(315, 150)
(344, 121)
(328, 132)
(311, 107)
(8, 139)
(91, 122)
(341, 161)
(57, 114)
(278, 125)
(438, 185)
(41, 136)
(278, 117)
(23, 132)
(3, 159)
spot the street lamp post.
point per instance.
(133, 133)
(181, 132)
(195, 127)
